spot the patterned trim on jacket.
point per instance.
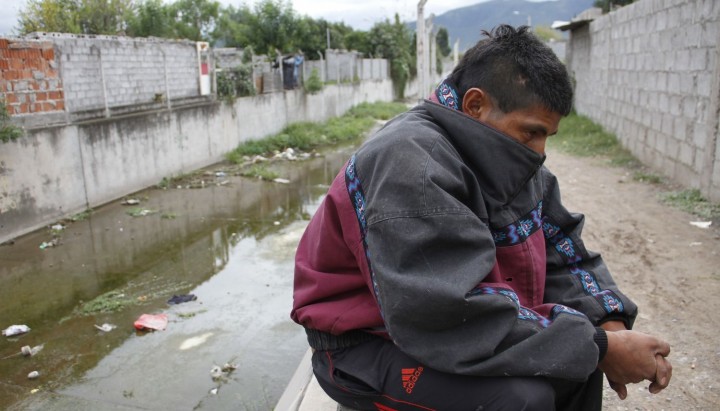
(570, 253)
(357, 198)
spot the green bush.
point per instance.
(8, 131)
(236, 82)
(313, 84)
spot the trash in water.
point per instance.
(179, 299)
(214, 391)
(220, 174)
(216, 373)
(106, 327)
(58, 227)
(15, 330)
(33, 375)
(29, 352)
(26, 351)
(282, 180)
(151, 322)
(131, 201)
(229, 367)
(701, 224)
(52, 243)
(222, 372)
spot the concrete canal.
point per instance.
(231, 244)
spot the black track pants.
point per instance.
(376, 376)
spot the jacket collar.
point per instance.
(502, 165)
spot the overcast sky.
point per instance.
(360, 14)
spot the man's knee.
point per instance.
(527, 394)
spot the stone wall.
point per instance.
(650, 73)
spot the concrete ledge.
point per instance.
(303, 393)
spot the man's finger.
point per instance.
(620, 389)
(663, 348)
(662, 375)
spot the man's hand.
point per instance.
(633, 357)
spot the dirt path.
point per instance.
(670, 268)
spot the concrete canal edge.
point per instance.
(303, 393)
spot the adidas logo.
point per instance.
(410, 377)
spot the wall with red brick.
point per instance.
(29, 79)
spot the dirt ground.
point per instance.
(669, 267)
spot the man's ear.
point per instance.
(477, 103)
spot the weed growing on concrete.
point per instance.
(8, 131)
(313, 84)
(259, 171)
(106, 303)
(82, 216)
(692, 201)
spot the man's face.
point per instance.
(529, 126)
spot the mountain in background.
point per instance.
(466, 23)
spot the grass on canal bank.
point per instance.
(580, 136)
(307, 136)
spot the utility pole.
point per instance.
(429, 55)
(421, 48)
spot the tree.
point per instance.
(195, 19)
(151, 18)
(75, 16)
(393, 41)
(104, 16)
(49, 15)
(232, 27)
(443, 42)
(271, 27)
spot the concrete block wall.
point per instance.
(29, 79)
(123, 71)
(227, 58)
(649, 72)
(341, 65)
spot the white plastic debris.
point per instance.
(216, 372)
(58, 227)
(33, 375)
(701, 224)
(29, 352)
(15, 330)
(106, 327)
(131, 201)
(282, 181)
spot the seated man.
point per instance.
(442, 271)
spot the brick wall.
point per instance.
(29, 78)
(650, 73)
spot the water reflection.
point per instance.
(232, 246)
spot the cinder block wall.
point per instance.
(649, 72)
(30, 80)
(124, 70)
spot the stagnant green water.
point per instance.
(231, 245)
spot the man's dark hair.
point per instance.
(517, 70)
